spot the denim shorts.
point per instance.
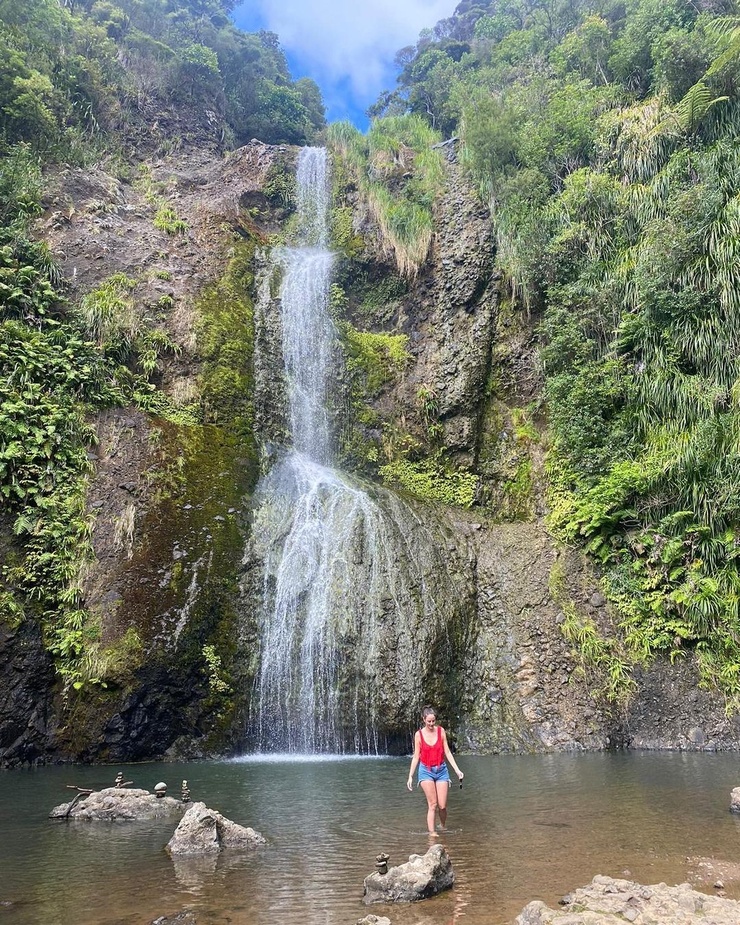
(436, 773)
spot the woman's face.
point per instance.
(430, 720)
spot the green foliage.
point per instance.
(108, 316)
(214, 671)
(57, 365)
(604, 662)
(343, 235)
(280, 185)
(167, 220)
(599, 658)
(48, 377)
(75, 76)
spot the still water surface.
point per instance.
(529, 827)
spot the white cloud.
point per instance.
(340, 41)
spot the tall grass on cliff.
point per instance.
(399, 173)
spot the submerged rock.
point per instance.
(181, 918)
(118, 804)
(204, 831)
(606, 901)
(422, 876)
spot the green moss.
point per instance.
(517, 491)
(524, 429)
(225, 337)
(432, 480)
(373, 359)
(343, 236)
(378, 294)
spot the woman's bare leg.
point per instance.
(430, 792)
(443, 789)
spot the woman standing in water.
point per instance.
(430, 751)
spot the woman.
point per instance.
(430, 751)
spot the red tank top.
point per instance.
(432, 755)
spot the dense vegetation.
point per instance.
(51, 374)
(605, 139)
(86, 83)
(95, 75)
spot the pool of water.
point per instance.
(527, 827)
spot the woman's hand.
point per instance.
(460, 776)
(410, 783)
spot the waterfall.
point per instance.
(345, 597)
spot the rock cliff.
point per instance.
(175, 597)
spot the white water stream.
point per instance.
(334, 569)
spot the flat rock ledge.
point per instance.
(115, 804)
(613, 902)
(422, 876)
(204, 831)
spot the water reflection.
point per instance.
(523, 828)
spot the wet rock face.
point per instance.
(422, 876)
(610, 902)
(672, 711)
(451, 314)
(525, 691)
(27, 717)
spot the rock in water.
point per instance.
(204, 831)
(182, 918)
(735, 800)
(613, 902)
(118, 804)
(422, 876)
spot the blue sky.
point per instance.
(347, 48)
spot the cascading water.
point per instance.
(345, 599)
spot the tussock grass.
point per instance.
(400, 174)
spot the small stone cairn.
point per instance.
(422, 876)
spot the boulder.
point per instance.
(114, 804)
(735, 800)
(204, 831)
(613, 902)
(422, 876)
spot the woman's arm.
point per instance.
(448, 755)
(414, 760)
